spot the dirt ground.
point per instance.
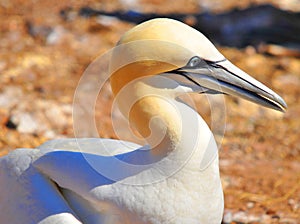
(43, 56)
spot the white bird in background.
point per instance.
(175, 179)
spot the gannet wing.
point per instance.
(27, 196)
(84, 170)
(78, 173)
(83, 164)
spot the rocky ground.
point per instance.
(44, 54)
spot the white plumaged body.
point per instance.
(172, 194)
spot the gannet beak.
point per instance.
(224, 77)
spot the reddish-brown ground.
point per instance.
(260, 153)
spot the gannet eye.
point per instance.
(195, 62)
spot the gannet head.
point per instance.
(170, 49)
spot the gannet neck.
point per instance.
(166, 124)
(158, 121)
(152, 112)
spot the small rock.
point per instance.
(50, 134)
(25, 123)
(55, 35)
(240, 217)
(250, 50)
(227, 218)
(293, 204)
(254, 219)
(250, 204)
(107, 20)
(131, 4)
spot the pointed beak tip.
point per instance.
(282, 109)
(282, 106)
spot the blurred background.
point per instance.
(47, 45)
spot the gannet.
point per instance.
(174, 178)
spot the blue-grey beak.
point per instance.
(224, 77)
